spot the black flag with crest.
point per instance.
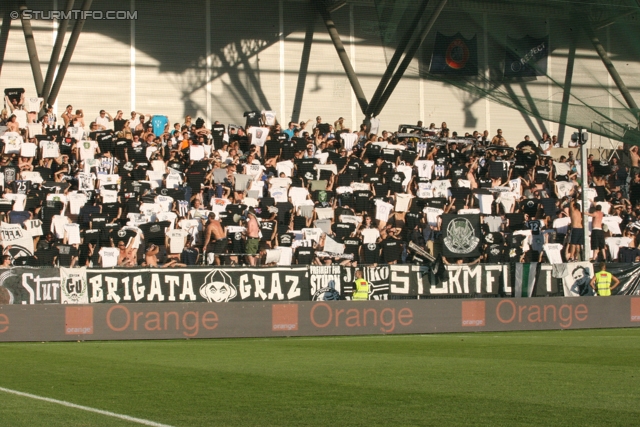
(454, 56)
(461, 235)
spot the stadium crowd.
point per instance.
(141, 191)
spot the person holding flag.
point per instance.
(602, 280)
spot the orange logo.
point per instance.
(473, 313)
(78, 320)
(635, 309)
(284, 317)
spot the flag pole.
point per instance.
(585, 185)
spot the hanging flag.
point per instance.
(525, 279)
(576, 278)
(526, 57)
(454, 56)
(461, 235)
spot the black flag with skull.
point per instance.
(461, 235)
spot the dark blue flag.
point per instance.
(454, 56)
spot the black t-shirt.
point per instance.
(288, 150)
(189, 256)
(304, 255)
(253, 118)
(542, 174)
(154, 232)
(362, 201)
(65, 254)
(628, 254)
(494, 238)
(273, 148)
(437, 202)
(395, 183)
(514, 242)
(122, 235)
(345, 199)
(46, 256)
(106, 142)
(516, 221)
(111, 209)
(6, 205)
(267, 228)
(90, 236)
(343, 230)
(284, 216)
(99, 221)
(217, 133)
(286, 239)
(352, 246)
(371, 253)
(530, 207)
(495, 253)
(391, 249)
(458, 172)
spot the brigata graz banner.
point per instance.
(198, 285)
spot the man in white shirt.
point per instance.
(102, 121)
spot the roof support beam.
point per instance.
(55, 53)
(408, 58)
(68, 53)
(400, 50)
(342, 54)
(604, 57)
(31, 49)
(566, 94)
(4, 35)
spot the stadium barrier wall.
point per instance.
(59, 322)
(27, 285)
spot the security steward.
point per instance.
(361, 291)
(602, 280)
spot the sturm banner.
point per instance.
(198, 285)
(26, 285)
(478, 279)
(324, 281)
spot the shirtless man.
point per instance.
(253, 237)
(577, 231)
(597, 234)
(215, 239)
(635, 160)
(151, 258)
(127, 255)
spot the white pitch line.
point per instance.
(85, 408)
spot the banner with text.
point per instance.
(198, 285)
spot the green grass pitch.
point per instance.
(559, 378)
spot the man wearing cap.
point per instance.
(601, 282)
(253, 236)
(217, 245)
